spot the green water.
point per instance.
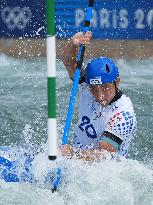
(23, 117)
(23, 100)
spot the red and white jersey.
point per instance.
(117, 118)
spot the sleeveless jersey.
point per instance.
(117, 118)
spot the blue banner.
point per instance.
(22, 18)
(118, 19)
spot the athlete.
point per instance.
(106, 121)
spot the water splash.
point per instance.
(127, 182)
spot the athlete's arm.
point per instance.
(71, 50)
(97, 154)
(107, 147)
(109, 142)
(88, 155)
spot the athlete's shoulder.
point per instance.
(122, 120)
(85, 94)
(122, 109)
(83, 87)
(124, 103)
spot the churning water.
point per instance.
(23, 123)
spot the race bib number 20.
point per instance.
(87, 127)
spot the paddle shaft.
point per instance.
(80, 58)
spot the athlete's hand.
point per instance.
(67, 150)
(71, 50)
(80, 38)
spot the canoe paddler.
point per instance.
(106, 118)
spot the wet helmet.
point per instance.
(101, 71)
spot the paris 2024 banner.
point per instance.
(111, 19)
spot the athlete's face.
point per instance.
(103, 93)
